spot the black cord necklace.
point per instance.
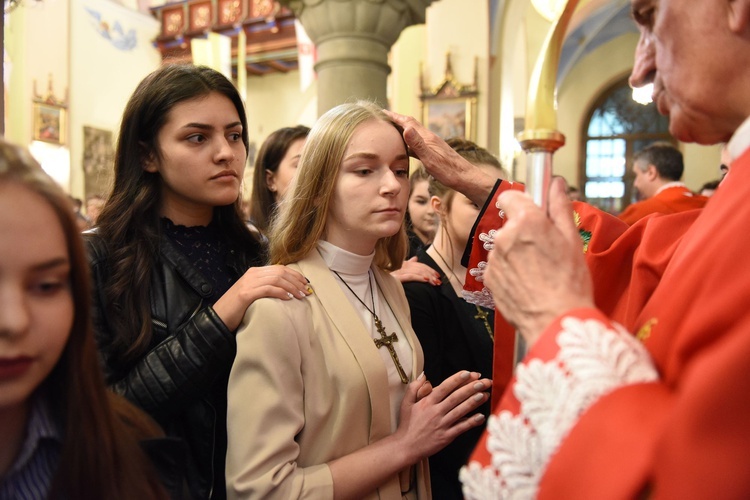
(450, 269)
(385, 340)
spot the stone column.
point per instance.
(353, 38)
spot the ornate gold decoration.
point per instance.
(173, 22)
(585, 235)
(230, 12)
(644, 332)
(200, 17)
(263, 8)
(449, 108)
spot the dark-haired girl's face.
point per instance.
(202, 159)
(36, 302)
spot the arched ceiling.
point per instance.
(595, 23)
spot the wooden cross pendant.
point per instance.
(387, 341)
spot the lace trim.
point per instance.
(592, 361)
(497, 205)
(478, 272)
(488, 239)
(481, 298)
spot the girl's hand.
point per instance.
(276, 281)
(413, 270)
(429, 423)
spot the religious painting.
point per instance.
(450, 117)
(449, 109)
(98, 161)
(49, 123)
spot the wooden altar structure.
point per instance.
(269, 29)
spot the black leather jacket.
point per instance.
(182, 380)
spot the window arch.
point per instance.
(616, 128)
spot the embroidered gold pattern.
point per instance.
(645, 331)
(585, 235)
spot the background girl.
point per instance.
(274, 170)
(421, 221)
(454, 334)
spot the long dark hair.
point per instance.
(129, 222)
(272, 151)
(100, 456)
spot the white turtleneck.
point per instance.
(355, 269)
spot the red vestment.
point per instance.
(668, 201)
(593, 413)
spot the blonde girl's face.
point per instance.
(36, 301)
(372, 189)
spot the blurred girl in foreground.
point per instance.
(63, 434)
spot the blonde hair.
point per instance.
(303, 214)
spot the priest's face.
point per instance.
(690, 51)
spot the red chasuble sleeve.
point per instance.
(597, 412)
(598, 230)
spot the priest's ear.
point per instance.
(739, 16)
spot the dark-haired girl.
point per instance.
(174, 264)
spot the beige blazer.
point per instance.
(308, 386)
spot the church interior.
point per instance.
(462, 67)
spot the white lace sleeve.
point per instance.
(592, 360)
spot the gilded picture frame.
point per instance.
(450, 108)
(98, 160)
(450, 117)
(49, 123)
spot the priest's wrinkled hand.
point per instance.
(536, 270)
(442, 162)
